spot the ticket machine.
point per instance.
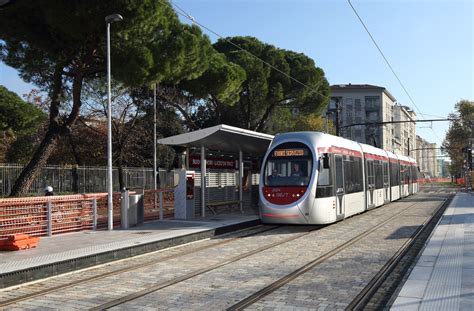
(184, 196)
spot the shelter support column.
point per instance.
(203, 182)
(241, 176)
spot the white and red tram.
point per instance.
(316, 178)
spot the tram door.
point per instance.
(339, 187)
(410, 179)
(386, 185)
(370, 182)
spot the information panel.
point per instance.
(290, 153)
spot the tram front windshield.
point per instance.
(289, 165)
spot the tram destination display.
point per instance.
(289, 153)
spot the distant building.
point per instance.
(443, 168)
(365, 103)
(426, 157)
(403, 134)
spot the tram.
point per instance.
(317, 178)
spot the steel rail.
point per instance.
(127, 269)
(368, 292)
(246, 302)
(190, 275)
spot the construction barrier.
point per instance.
(18, 242)
(433, 180)
(48, 215)
(45, 216)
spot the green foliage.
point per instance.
(221, 82)
(265, 88)
(60, 44)
(285, 121)
(459, 134)
(149, 45)
(16, 115)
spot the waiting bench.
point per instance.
(213, 205)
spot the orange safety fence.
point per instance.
(433, 180)
(30, 215)
(71, 213)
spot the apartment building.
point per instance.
(365, 103)
(403, 134)
(426, 157)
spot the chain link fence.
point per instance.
(84, 179)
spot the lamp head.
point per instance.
(113, 18)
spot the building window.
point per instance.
(358, 106)
(372, 103)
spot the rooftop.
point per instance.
(361, 87)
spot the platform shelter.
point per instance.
(229, 156)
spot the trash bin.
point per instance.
(136, 210)
(132, 209)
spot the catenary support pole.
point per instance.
(154, 146)
(203, 182)
(241, 175)
(110, 205)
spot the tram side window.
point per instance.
(378, 174)
(394, 174)
(358, 178)
(404, 174)
(370, 173)
(324, 187)
(352, 174)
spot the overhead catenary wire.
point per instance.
(185, 14)
(388, 64)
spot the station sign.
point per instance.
(221, 163)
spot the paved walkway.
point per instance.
(443, 278)
(66, 252)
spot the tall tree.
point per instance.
(17, 118)
(219, 86)
(459, 134)
(266, 90)
(58, 44)
(16, 115)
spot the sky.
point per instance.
(429, 44)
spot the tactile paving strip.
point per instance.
(443, 290)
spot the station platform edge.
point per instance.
(73, 251)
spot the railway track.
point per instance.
(360, 301)
(369, 290)
(130, 268)
(367, 294)
(265, 291)
(162, 285)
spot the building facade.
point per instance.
(426, 157)
(443, 168)
(353, 104)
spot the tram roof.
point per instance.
(223, 138)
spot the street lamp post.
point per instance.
(110, 207)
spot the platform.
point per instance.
(443, 277)
(72, 251)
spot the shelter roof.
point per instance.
(223, 138)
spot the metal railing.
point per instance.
(83, 179)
